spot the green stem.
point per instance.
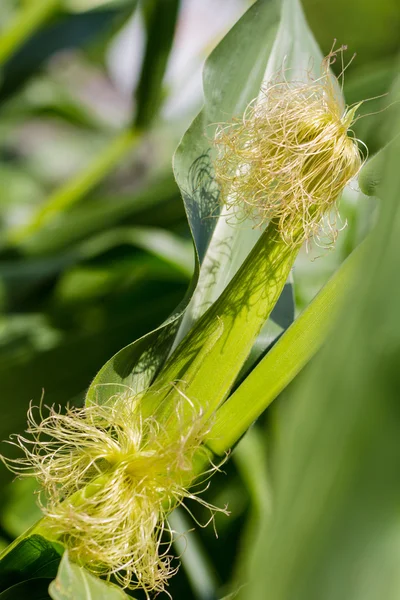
(25, 22)
(206, 363)
(73, 191)
(282, 363)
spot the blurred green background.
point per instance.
(94, 245)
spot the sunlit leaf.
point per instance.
(246, 55)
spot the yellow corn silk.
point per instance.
(110, 479)
(290, 156)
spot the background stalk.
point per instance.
(73, 191)
(31, 16)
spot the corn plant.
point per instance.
(260, 170)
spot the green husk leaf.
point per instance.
(208, 360)
(75, 583)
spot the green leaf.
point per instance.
(370, 177)
(20, 510)
(209, 358)
(337, 463)
(232, 77)
(75, 583)
(31, 556)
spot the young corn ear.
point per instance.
(290, 156)
(110, 478)
(287, 162)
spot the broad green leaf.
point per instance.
(75, 583)
(335, 531)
